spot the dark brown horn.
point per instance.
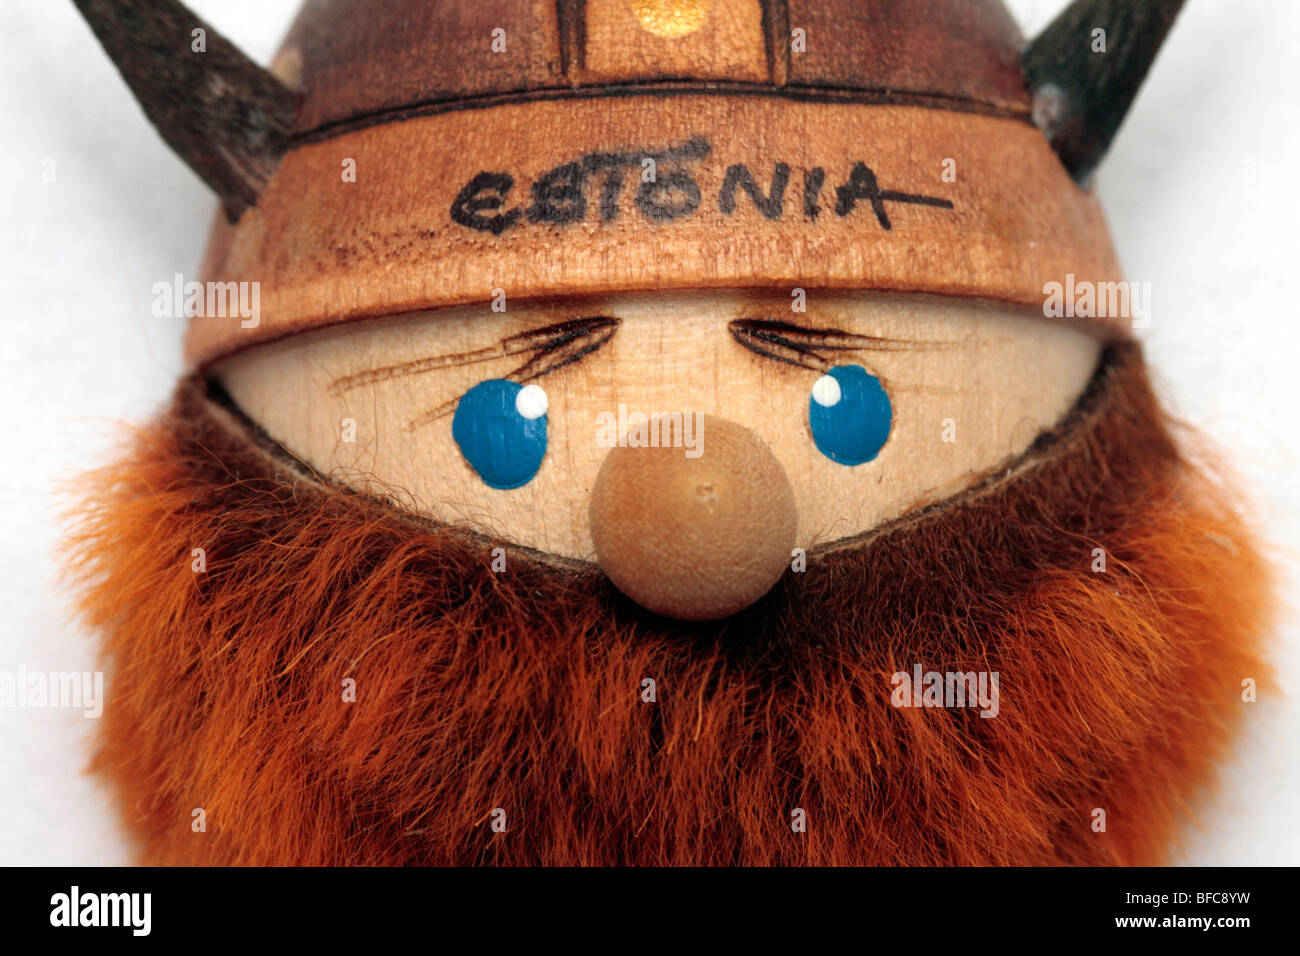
(227, 117)
(1080, 97)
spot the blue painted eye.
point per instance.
(850, 415)
(500, 427)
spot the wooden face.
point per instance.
(898, 401)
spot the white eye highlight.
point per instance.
(531, 402)
(826, 391)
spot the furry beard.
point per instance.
(505, 718)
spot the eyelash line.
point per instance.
(795, 345)
(555, 346)
(540, 340)
(564, 343)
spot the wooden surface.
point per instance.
(998, 377)
(966, 51)
(631, 41)
(325, 250)
(360, 63)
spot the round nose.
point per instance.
(694, 533)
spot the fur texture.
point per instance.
(523, 690)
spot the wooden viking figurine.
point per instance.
(659, 432)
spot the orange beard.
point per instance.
(517, 698)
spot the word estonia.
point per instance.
(667, 190)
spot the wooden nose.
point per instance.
(694, 533)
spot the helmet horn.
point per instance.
(227, 117)
(1084, 69)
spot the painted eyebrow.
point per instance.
(802, 346)
(549, 348)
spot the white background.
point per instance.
(1200, 189)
